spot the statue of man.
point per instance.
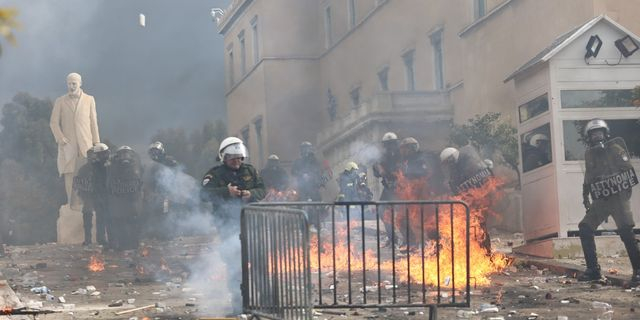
(74, 125)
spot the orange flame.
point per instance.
(450, 261)
(6, 310)
(274, 195)
(96, 264)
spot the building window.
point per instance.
(410, 78)
(255, 37)
(332, 107)
(355, 97)
(479, 8)
(438, 63)
(245, 138)
(243, 53)
(231, 63)
(258, 126)
(327, 27)
(536, 148)
(596, 98)
(533, 108)
(575, 143)
(383, 79)
(352, 13)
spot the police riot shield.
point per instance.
(617, 175)
(475, 181)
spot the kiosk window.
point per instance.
(596, 98)
(536, 148)
(533, 108)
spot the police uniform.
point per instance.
(275, 177)
(91, 185)
(308, 175)
(468, 164)
(215, 188)
(601, 162)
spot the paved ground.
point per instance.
(158, 278)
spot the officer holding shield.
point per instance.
(608, 179)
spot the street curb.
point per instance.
(570, 270)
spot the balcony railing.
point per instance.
(389, 106)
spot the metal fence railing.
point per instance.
(275, 263)
(361, 254)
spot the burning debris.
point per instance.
(96, 264)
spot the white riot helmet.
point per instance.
(449, 153)
(389, 136)
(351, 165)
(99, 147)
(596, 124)
(536, 138)
(232, 146)
(411, 143)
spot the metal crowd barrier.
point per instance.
(276, 281)
(397, 276)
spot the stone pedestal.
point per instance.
(70, 227)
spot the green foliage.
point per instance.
(31, 191)
(491, 135)
(197, 152)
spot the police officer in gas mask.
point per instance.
(91, 185)
(608, 179)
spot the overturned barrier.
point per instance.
(360, 255)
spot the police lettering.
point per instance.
(125, 186)
(476, 181)
(613, 184)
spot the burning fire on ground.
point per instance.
(451, 229)
(96, 264)
(274, 195)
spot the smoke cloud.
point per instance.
(168, 74)
(187, 215)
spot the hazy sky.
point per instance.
(168, 74)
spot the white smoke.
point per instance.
(209, 275)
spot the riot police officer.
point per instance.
(233, 182)
(273, 175)
(158, 154)
(157, 202)
(229, 186)
(308, 174)
(607, 161)
(536, 153)
(351, 186)
(91, 185)
(466, 170)
(385, 169)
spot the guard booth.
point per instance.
(589, 72)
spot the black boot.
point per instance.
(87, 219)
(630, 243)
(589, 248)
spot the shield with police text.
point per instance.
(615, 172)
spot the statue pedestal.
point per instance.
(70, 227)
